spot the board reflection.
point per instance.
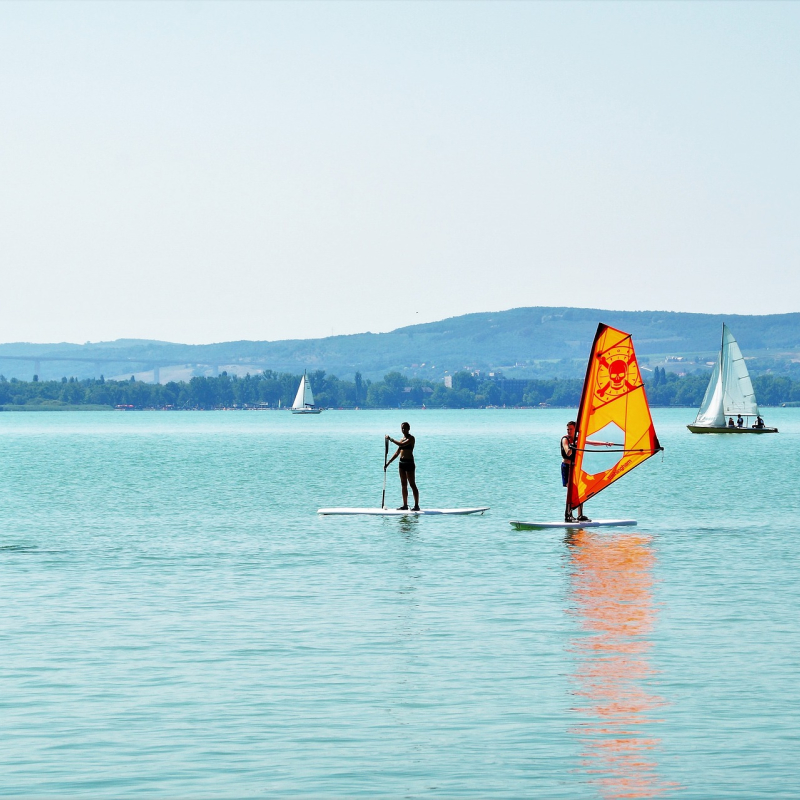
(611, 594)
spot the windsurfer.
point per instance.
(567, 459)
(405, 449)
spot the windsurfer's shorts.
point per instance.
(564, 473)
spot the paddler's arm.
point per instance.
(393, 457)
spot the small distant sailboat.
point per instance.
(613, 409)
(304, 399)
(729, 394)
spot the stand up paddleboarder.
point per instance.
(405, 449)
(567, 460)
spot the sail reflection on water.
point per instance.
(611, 592)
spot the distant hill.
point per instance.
(528, 342)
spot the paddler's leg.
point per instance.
(564, 481)
(404, 486)
(411, 474)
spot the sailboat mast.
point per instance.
(600, 329)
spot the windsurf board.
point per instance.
(595, 523)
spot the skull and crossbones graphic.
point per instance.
(618, 372)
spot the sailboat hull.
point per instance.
(726, 429)
(306, 411)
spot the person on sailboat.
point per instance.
(759, 423)
(405, 449)
(730, 422)
(567, 459)
(739, 421)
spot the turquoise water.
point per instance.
(178, 621)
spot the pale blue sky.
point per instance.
(211, 171)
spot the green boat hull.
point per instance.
(726, 429)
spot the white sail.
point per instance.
(730, 391)
(299, 400)
(308, 396)
(739, 396)
(712, 412)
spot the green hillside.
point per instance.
(525, 342)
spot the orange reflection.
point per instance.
(612, 594)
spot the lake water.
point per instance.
(177, 620)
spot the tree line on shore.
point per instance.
(271, 389)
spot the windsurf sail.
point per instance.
(730, 390)
(613, 409)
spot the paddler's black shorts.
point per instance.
(564, 473)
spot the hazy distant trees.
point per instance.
(358, 385)
(465, 380)
(394, 391)
(379, 395)
(772, 390)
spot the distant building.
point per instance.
(448, 381)
(513, 384)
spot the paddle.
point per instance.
(385, 456)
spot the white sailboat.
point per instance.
(729, 394)
(304, 399)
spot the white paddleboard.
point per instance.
(391, 512)
(595, 523)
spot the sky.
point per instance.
(213, 171)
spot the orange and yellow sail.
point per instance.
(613, 409)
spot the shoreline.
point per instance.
(89, 407)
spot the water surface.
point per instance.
(178, 621)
